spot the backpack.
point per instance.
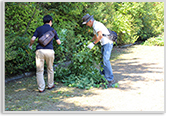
(113, 36)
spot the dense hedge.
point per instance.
(131, 20)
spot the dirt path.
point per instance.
(139, 70)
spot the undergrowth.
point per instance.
(155, 41)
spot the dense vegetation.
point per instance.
(155, 41)
(131, 21)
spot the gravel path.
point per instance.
(140, 74)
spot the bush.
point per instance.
(155, 41)
(19, 58)
(82, 72)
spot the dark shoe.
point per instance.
(111, 83)
(41, 91)
(51, 87)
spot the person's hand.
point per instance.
(30, 46)
(90, 46)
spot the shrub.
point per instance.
(155, 41)
(82, 72)
(18, 57)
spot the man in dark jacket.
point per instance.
(44, 53)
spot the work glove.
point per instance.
(30, 46)
(90, 46)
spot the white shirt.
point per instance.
(98, 26)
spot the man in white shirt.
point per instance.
(100, 31)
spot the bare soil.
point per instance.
(138, 69)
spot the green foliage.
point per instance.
(20, 19)
(82, 72)
(152, 16)
(19, 57)
(155, 41)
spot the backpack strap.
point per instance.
(53, 31)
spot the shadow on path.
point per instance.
(134, 68)
(23, 95)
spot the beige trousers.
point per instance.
(48, 56)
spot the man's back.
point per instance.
(40, 31)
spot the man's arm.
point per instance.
(94, 37)
(100, 36)
(32, 40)
(58, 41)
